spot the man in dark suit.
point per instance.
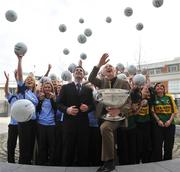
(76, 101)
(107, 127)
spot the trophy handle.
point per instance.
(99, 97)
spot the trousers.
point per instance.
(108, 129)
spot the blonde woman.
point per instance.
(46, 111)
(27, 130)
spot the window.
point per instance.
(151, 72)
(158, 71)
(173, 68)
(174, 86)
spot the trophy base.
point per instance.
(108, 117)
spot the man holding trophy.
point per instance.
(113, 101)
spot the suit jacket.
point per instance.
(69, 96)
(104, 83)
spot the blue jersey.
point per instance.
(93, 121)
(24, 93)
(11, 99)
(59, 115)
(47, 115)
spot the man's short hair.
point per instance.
(79, 67)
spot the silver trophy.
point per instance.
(114, 98)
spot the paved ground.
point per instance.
(3, 141)
(4, 124)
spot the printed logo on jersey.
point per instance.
(163, 109)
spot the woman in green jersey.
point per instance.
(163, 129)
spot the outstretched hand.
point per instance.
(80, 63)
(103, 60)
(19, 55)
(49, 66)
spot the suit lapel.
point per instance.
(74, 88)
(82, 89)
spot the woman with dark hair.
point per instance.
(13, 125)
(143, 124)
(59, 129)
(163, 129)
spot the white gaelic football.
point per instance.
(132, 70)
(139, 26)
(82, 39)
(22, 110)
(62, 27)
(11, 15)
(122, 76)
(72, 67)
(44, 79)
(108, 19)
(81, 20)
(66, 51)
(120, 67)
(66, 76)
(53, 76)
(139, 79)
(83, 56)
(20, 48)
(88, 32)
(157, 3)
(128, 11)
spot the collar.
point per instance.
(77, 83)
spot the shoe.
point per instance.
(100, 168)
(107, 167)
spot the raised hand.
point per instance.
(49, 66)
(19, 56)
(52, 96)
(41, 96)
(103, 60)
(80, 63)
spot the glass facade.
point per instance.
(174, 86)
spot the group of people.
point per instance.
(68, 129)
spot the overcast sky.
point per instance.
(38, 22)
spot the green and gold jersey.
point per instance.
(143, 114)
(164, 107)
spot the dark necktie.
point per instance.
(78, 87)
